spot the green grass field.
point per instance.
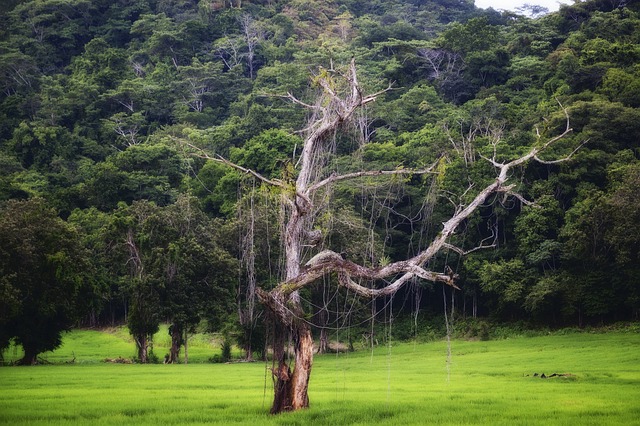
(484, 383)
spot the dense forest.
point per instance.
(110, 214)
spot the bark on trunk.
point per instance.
(323, 345)
(280, 369)
(302, 371)
(291, 386)
(143, 347)
(291, 380)
(176, 342)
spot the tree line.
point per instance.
(108, 216)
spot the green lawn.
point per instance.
(485, 383)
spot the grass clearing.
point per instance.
(93, 346)
(488, 382)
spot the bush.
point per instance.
(226, 349)
(216, 359)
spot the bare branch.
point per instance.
(337, 178)
(297, 101)
(374, 96)
(482, 246)
(328, 261)
(199, 152)
(562, 160)
(508, 191)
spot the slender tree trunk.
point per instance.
(474, 309)
(176, 342)
(323, 346)
(143, 348)
(186, 347)
(248, 350)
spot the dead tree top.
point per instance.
(334, 107)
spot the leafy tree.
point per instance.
(172, 266)
(198, 273)
(474, 36)
(150, 171)
(600, 248)
(622, 87)
(104, 291)
(44, 272)
(268, 153)
(132, 230)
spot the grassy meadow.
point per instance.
(484, 382)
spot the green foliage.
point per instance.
(94, 94)
(177, 267)
(475, 35)
(506, 278)
(44, 272)
(270, 153)
(621, 86)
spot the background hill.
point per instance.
(104, 218)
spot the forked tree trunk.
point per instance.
(291, 382)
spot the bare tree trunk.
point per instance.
(186, 347)
(323, 346)
(475, 304)
(291, 386)
(176, 342)
(304, 361)
(143, 348)
(248, 349)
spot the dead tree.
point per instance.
(340, 97)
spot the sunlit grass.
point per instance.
(484, 383)
(91, 346)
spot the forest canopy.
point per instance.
(106, 218)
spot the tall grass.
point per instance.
(486, 382)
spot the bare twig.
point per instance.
(201, 153)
